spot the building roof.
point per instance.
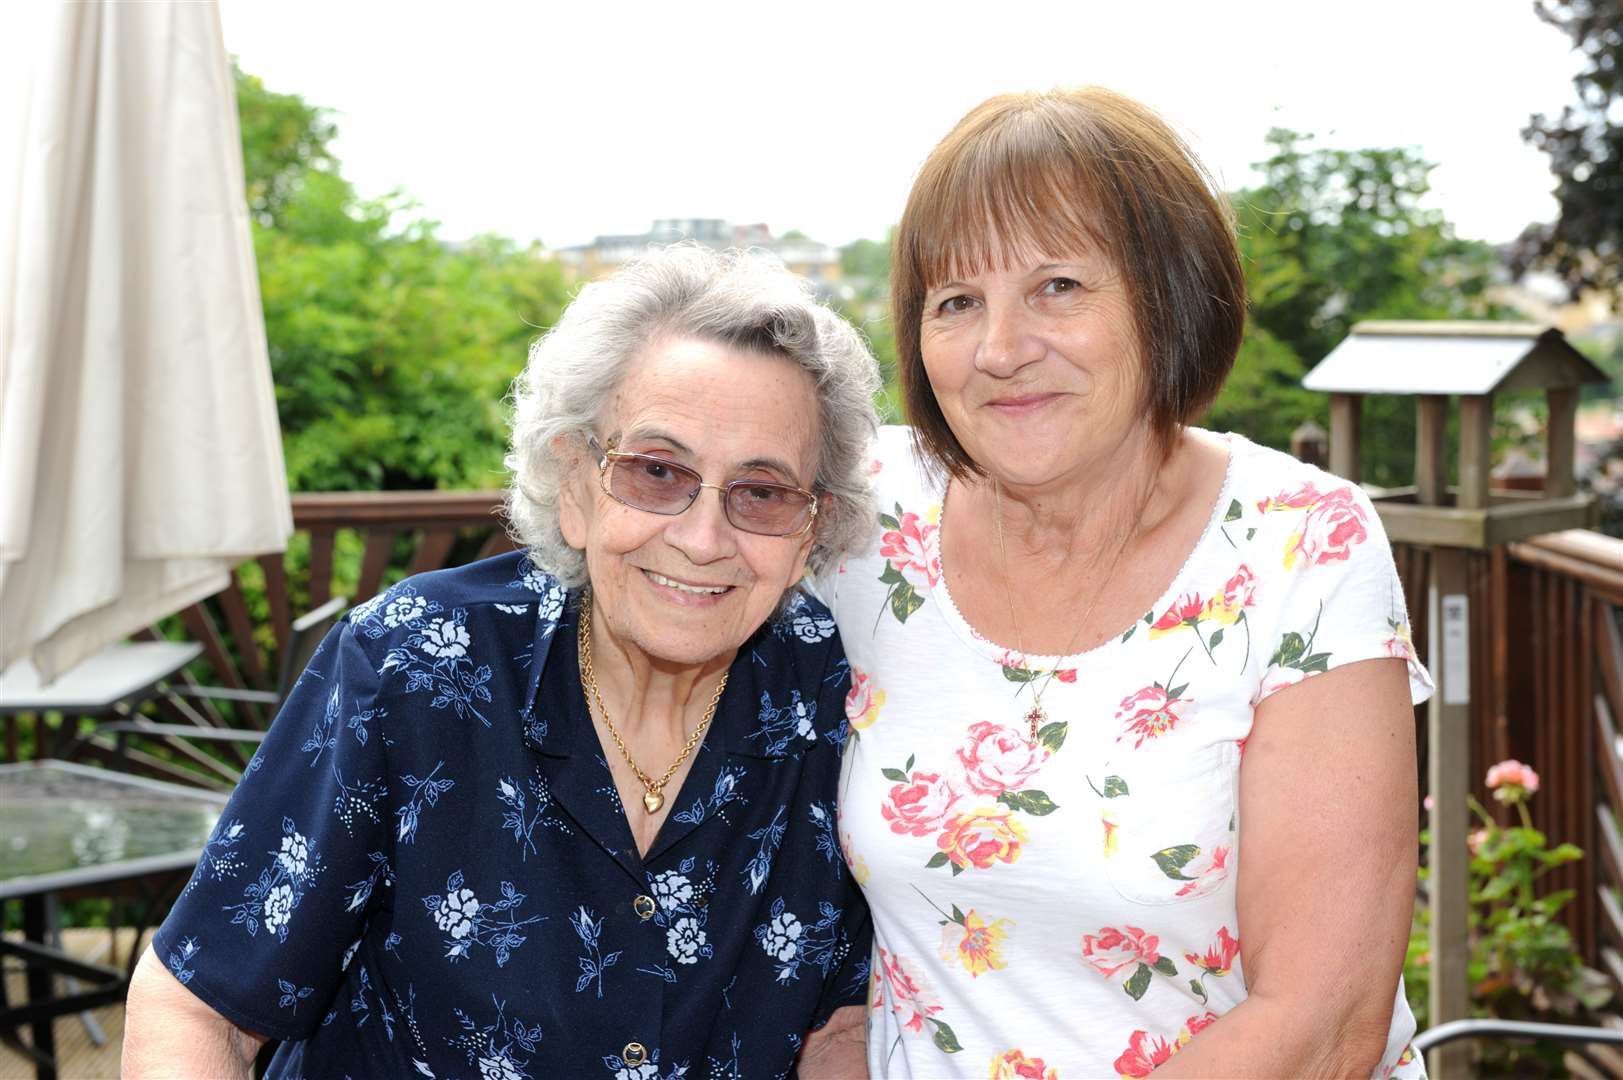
(1438, 357)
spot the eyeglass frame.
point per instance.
(608, 454)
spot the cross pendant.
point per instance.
(1034, 717)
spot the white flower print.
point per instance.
(513, 609)
(646, 1071)
(278, 908)
(803, 723)
(364, 611)
(782, 937)
(457, 912)
(294, 854)
(552, 603)
(403, 609)
(349, 954)
(812, 628)
(500, 1067)
(672, 890)
(446, 639)
(685, 940)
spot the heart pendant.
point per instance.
(653, 800)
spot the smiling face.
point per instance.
(685, 589)
(1036, 366)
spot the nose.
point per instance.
(1010, 340)
(702, 532)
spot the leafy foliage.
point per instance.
(1584, 245)
(391, 350)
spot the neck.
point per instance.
(648, 694)
(1084, 515)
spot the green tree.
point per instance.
(391, 350)
(1584, 245)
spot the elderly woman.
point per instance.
(1099, 654)
(570, 811)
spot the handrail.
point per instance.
(1455, 1030)
(361, 508)
(1591, 557)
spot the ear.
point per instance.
(573, 502)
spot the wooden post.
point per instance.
(1476, 450)
(1560, 444)
(1431, 455)
(1449, 782)
(1345, 413)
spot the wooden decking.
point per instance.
(77, 1056)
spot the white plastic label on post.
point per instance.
(1456, 650)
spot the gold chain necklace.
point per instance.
(1036, 716)
(653, 790)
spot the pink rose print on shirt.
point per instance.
(919, 805)
(1200, 874)
(1111, 950)
(911, 548)
(911, 1000)
(1334, 524)
(1217, 961)
(1145, 1053)
(997, 759)
(863, 701)
(1150, 713)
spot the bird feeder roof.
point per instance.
(1436, 357)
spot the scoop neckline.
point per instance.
(985, 647)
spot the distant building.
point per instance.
(818, 263)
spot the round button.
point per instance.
(644, 907)
(634, 1054)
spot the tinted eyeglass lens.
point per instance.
(651, 484)
(767, 508)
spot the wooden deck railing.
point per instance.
(1547, 689)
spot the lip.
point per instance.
(687, 599)
(1022, 404)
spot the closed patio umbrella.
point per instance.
(140, 457)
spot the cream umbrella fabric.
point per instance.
(140, 456)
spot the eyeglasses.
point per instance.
(661, 486)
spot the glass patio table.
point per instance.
(69, 827)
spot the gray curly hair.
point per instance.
(743, 299)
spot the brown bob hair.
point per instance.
(1037, 174)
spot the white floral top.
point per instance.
(1065, 907)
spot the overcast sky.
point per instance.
(564, 120)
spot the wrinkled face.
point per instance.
(1037, 367)
(681, 590)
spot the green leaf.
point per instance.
(1249, 533)
(909, 766)
(1172, 860)
(1319, 662)
(1018, 674)
(956, 869)
(895, 774)
(1115, 787)
(944, 1039)
(1052, 736)
(1138, 983)
(937, 861)
(1200, 991)
(1130, 631)
(904, 602)
(1234, 511)
(1177, 691)
(1291, 648)
(892, 576)
(889, 522)
(1035, 803)
(1149, 617)
(1165, 966)
(1215, 640)
(957, 915)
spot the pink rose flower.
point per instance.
(1111, 950)
(1300, 499)
(1209, 876)
(1329, 530)
(911, 998)
(863, 701)
(1150, 714)
(1511, 781)
(1238, 594)
(915, 546)
(919, 806)
(1477, 838)
(998, 759)
(1144, 1054)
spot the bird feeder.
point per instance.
(1466, 362)
(1471, 362)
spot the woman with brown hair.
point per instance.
(1098, 653)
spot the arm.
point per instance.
(837, 1050)
(1326, 883)
(169, 1032)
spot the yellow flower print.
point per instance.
(974, 942)
(858, 865)
(1108, 820)
(1015, 1065)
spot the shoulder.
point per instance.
(901, 474)
(506, 591)
(799, 651)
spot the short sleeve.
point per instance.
(846, 980)
(301, 854)
(1334, 597)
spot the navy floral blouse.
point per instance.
(427, 870)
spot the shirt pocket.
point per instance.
(1170, 824)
